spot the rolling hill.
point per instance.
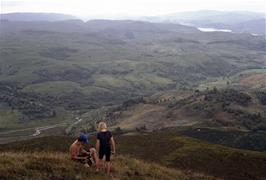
(237, 21)
(185, 158)
(35, 17)
(71, 67)
(218, 17)
(225, 116)
(256, 26)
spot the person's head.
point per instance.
(83, 139)
(102, 126)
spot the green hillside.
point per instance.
(186, 157)
(75, 66)
(230, 117)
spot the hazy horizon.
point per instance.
(124, 8)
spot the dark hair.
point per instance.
(83, 138)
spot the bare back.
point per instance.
(74, 150)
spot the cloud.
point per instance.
(11, 3)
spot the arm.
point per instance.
(74, 154)
(79, 158)
(113, 145)
(98, 145)
(85, 152)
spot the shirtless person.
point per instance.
(78, 153)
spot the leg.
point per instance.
(108, 167)
(108, 163)
(93, 153)
(101, 164)
(83, 161)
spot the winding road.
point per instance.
(37, 131)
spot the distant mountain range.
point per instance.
(212, 17)
(237, 21)
(36, 17)
(256, 26)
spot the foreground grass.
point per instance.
(167, 148)
(59, 166)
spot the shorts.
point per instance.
(106, 153)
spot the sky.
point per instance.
(112, 8)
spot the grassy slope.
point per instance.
(59, 166)
(177, 151)
(170, 110)
(168, 149)
(222, 120)
(248, 79)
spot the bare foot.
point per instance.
(111, 176)
(86, 165)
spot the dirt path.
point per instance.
(32, 132)
(39, 129)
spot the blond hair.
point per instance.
(101, 126)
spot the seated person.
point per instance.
(78, 153)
